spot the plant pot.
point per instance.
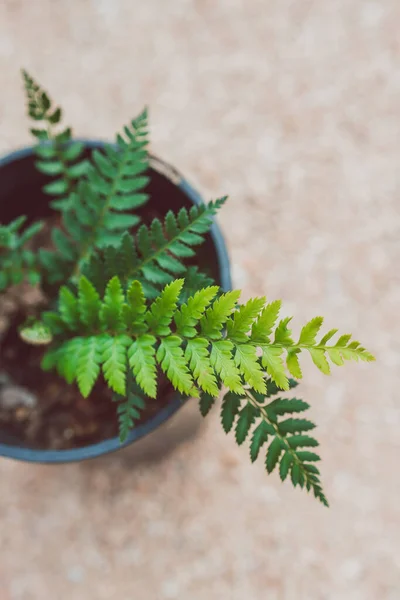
(21, 193)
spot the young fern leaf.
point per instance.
(190, 343)
(58, 156)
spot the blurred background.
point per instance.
(293, 109)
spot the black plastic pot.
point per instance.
(21, 193)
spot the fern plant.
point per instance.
(124, 306)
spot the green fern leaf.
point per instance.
(335, 356)
(128, 411)
(88, 363)
(283, 333)
(296, 474)
(135, 309)
(229, 410)
(217, 315)
(300, 441)
(310, 330)
(190, 313)
(239, 325)
(162, 309)
(283, 406)
(68, 359)
(319, 360)
(295, 425)
(198, 359)
(206, 403)
(272, 362)
(171, 358)
(111, 310)
(293, 365)
(327, 337)
(114, 359)
(69, 309)
(59, 157)
(306, 456)
(141, 355)
(247, 416)
(260, 437)
(247, 362)
(262, 328)
(89, 304)
(273, 454)
(221, 360)
(285, 465)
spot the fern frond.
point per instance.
(190, 343)
(58, 156)
(99, 209)
(280, 437)
(155, 255)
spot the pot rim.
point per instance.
(112, 444)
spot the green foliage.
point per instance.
(155, 255)
(129, 309)
(283, 440)
(128, 409)
(99, 210)
(18, 263)
(58, 155)
(196, 344)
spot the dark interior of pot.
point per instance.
(21, 193)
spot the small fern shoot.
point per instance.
(58, 155)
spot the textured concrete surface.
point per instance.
(293, 108)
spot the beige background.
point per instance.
(293, 109)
